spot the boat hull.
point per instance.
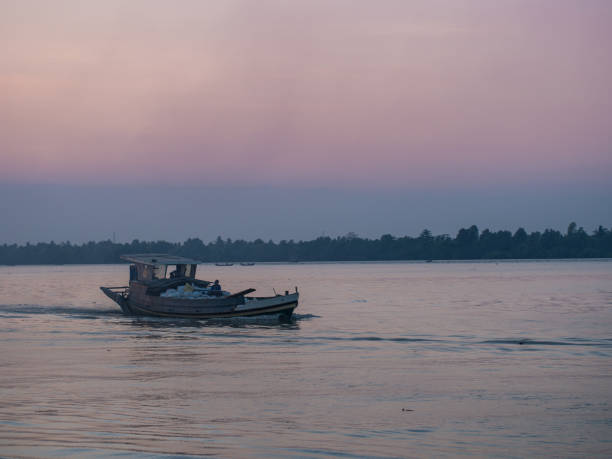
(284, 309)
(135, 303)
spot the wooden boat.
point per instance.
(152, 293)
(224, 264)
(249, 263)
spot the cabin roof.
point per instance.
(158, 259)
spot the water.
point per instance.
(383, 360)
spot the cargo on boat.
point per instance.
(154, 291)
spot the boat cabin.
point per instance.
(151, 267)
(164, 285)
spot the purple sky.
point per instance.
(391, 98)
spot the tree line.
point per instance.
(469, 244)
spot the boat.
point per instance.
(224, 264)
(247, 264)
(154, 292)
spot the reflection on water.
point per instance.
(381, 360)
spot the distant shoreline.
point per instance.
(357, 262)
(470, 244)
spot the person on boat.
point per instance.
(215, 288)
(178, 272)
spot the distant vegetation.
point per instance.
(469, 244)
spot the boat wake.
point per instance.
(25, 310)
(564, 342)
(13, 310)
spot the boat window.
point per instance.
(144, 272)
(133, 273)
(159, 272)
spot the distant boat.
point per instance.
(247, 264)
(224, 264)
(152, 293)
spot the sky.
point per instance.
(291, 119)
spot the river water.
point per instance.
(509, 359)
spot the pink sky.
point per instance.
(364, 93)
